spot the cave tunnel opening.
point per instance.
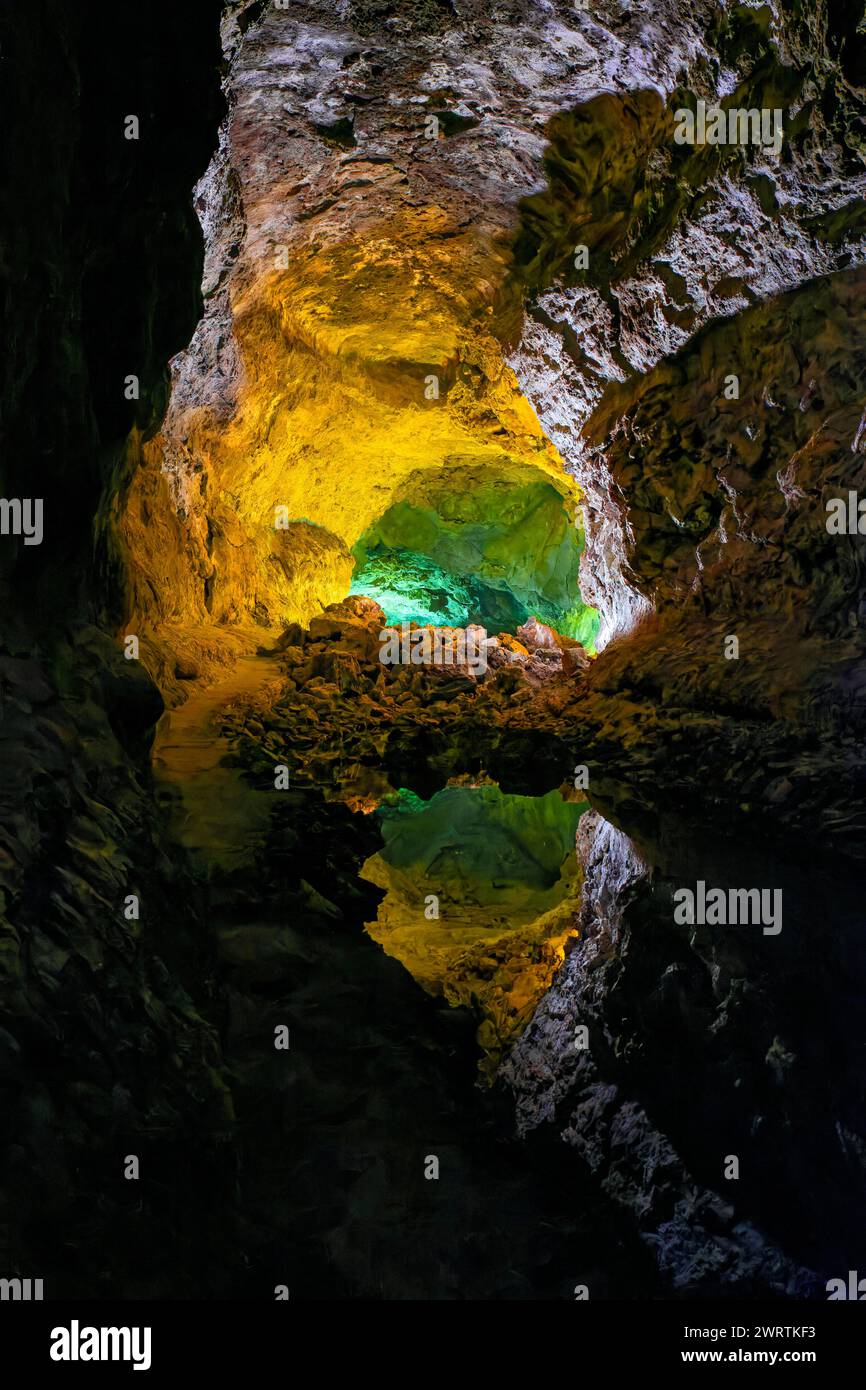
(306, 498)
(502, 871)
(468, 546)
(366, 430)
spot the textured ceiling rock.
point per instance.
(396, 197)
(722, 227)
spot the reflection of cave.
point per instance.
(400, 387)
(504, 879)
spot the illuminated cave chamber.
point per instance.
(469, 545)
(301, 458)
(326, 473)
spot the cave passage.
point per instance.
(471, 548)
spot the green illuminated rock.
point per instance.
(470, 548)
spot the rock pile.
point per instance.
(359, 728)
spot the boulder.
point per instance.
(534, 634)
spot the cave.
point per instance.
(464, 548)
(417, 317)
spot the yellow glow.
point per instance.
(331, 422)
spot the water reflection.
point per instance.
(707, 1044)
(481, 895)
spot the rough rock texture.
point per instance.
(718, 229)
(704, 1044)
(357, 729)
(333, 1137)
(728, 500)
(399, 197)
(107, 1047)
(345, 271)
(697, 503)
(507, 542)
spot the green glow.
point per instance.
(413, 588)
(481, 891)
(479, 846)
(480, 553)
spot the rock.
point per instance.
(534, 635)
(511, 644)
(450, 264)
(574, 658)
(132, 699)
(25, 678)
(366, 610)
(301, 674)
(294, 636)
(326, 625)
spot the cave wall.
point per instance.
(706, 510)
(405, 257)
(107, 1047)
(701, 1044)
(511, 535)
(693, 233)
(729, 515)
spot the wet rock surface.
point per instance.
(108, 1045)
(359, 728)
(702, 1043)
(332, 1195)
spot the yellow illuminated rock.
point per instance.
(481, 896)
(369, 373)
